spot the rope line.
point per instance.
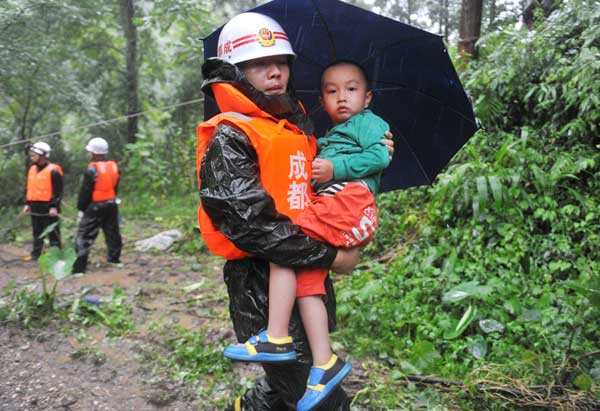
(109, 121)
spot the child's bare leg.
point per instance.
(282, 295)
(315, 321)
(273, 345)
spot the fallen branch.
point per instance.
(539, 396)
(588, 354)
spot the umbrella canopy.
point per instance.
(415, 87)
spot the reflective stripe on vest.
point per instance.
(284, 158)
(108, 176)
(39, 183)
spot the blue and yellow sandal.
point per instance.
(322, 380)
(263, 348)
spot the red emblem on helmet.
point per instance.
(266, 37)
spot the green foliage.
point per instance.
(62, 76)
(547, 79)
(12, 170)
(486, 279)
(146, 169)
(30, 307)
(59, 264)
(497, 263)
(113, 314)
(191, 357)
(25, 306)
(153, 169)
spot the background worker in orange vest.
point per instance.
(97, 205)
(43, 195)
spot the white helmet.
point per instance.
(97, 145)
(41, 148)
(250, 36)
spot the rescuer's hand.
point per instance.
(387, 140)
(345, 260)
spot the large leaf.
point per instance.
(57, 262)
(48, 230)
(478, 347)
(489, 326)
(464, 290)
(463, 323)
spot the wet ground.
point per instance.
(63, 366)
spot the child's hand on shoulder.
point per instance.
(322, 170)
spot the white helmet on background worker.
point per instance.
(249, 36)
(40, 148)
(97, 145)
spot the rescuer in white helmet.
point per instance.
(254, 176)
(43, 196)
(97, 205)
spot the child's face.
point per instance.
(344, 92)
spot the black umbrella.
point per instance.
(415, 87)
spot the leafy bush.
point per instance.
(113, 314)
(154, 169)
(500, 263)
(547, 79)
(486, 279)
(28, 306)
(12, 171)
(191, 357)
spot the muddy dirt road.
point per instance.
(66, 366)
(69, 366)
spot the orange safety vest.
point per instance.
(108, 177)
(284, 152)
(39, 183)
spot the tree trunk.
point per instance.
(127, 15)
(470, 26)
(440, 17)
(446, 19)
(492, 13)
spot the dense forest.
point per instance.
(483, 288)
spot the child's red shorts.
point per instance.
(344, 215)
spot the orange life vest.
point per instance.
(108, 177)
(39, 183)
(284, 154)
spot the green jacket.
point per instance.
(356, 150)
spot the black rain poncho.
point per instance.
(96, 215)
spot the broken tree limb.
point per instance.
(539, 396)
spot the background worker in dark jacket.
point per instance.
(43, 196)
(97, 206)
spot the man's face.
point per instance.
(268, 74)
(344, 92)
(35, 158)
